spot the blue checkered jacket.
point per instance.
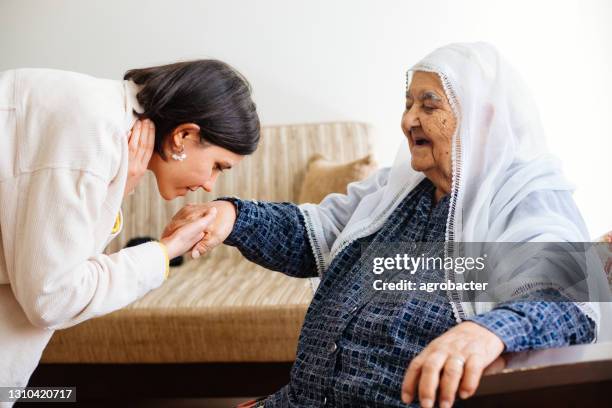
(354, 346)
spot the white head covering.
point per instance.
(505, 186)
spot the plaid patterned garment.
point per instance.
(355, 346)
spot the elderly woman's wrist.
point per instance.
(507, 326)
(242, 221)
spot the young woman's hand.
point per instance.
(140, 146)
(452, 363)
(183, 238)
(215, 233)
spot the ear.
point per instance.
(181, 132)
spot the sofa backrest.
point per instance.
(273, 173)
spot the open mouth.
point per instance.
(420, 140)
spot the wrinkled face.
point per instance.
(429, 124)
(200, 169)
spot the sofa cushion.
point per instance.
(324, 176)
(219, 308)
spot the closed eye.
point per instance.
(222, 166)
(428, 109)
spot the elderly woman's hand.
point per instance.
(215, 233)
(140, 149)
(187, 235)
(454, 361)
(606, 256)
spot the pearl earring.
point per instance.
(180, 157)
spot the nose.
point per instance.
(410, 120)
(210, 183)
(208, 186)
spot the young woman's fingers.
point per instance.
(201, 224)
(150, 143)
(143, 141)
(186, 215)
(135, 136)
(191, 233)
(179, 223)
(175, 226)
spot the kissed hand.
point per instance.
(216, 232)
(183, 238)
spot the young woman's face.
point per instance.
(200, 168)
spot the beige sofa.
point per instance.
(220, 308)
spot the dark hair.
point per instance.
(208, 93)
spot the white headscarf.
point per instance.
(505, 186)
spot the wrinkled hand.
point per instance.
(183, 238)
(454, 361)
(606, 258)
(215, 233)
(140, 148)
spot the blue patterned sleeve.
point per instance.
(535, 324)
(272, 235)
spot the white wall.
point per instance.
(330, 60)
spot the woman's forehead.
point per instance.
(422, 83)
(421, 80)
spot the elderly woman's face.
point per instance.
(429, 123)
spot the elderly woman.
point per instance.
(473, 169)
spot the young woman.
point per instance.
(68, 159)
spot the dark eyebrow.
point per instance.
(225, 165)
